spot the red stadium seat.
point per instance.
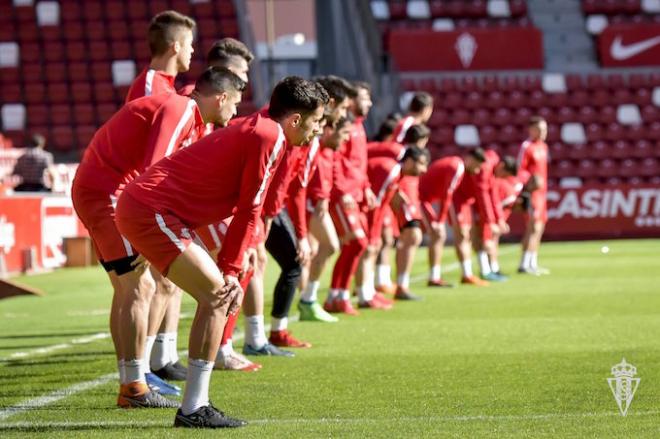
(30, 52)
(607, 168)
(35, 93)
(488, 134)
(509, 134)
(10, 93)
(32, 73)
(621, 150)
(607, 115)
(654, 131)
(495, 100)
(473, 100)
(578, 99)
(78, 71)
(58, 93)
(81, 92)
(635, 132)
(614, 132)
(114, 10)
(439, 118)
(481, 117)
(557, 151)
(83, 114)
(642, 149)
(579, 151)
(600, 149)
(37, 115)
(587, 115)
(56, 72)
(460, 117)
(600, 97)
(564, 168)
(557, 100)
(96, 30)
(502, 116)
(566, 114)
(586, 168)
(73, 31)
(105, 112)
(92, 10)
(98, 51)
(76, 51)
(594, 132)
(61, 115)
(574, 82)
(453, 100)
(62, 138)
(84, 134)
(628, 168)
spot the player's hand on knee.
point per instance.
(232, 294)
(140, 265)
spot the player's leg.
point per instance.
(437, 233)
(409, 240)
(323, 233)
(383, 266)
(282, 244)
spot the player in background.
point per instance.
(138, 135)
(384, 174)
(166, 307)
(226, 173)
(170, 38)
(436, 189)
(408, 210)
(322, 234)
(533, 161)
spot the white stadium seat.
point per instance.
(651, 6)
(573, 133)
(596, 24)
(467, 135)
(9, 54)
(405, 98)
(554, 83)
(656, 96)
(48, 13)
(628, 114)
(443, 24)
(123, 72)
(380, 9)
(13, 117)
(418, 9)
(570, 182)
(499, 8)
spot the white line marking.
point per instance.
(56, 347)
(90, 313)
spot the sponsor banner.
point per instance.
(36, 222)
(467, 49)
(593, 212)
(630, 45)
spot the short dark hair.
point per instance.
(36, 140)
(362, 84)
(415, 133)
(222, 51)
(386, 129)
(535, 121)
(342, 121)
(478, 153)
(510, 165)
(337, 88)
(295, 94)
(217, 80)
(164, 30)
(420, 101)
(415, 153)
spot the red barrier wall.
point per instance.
(630, 45)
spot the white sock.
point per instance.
(534, 260)
(484, 264)
(526, 260)
(366, 293)
(160, 353)
(495, 266)
(196, 394)
(333, 294)
(310, 293)
(436, 273)
(403, 280)
(278, 324)
(133, 370)
(467, 268)
(172, 345)
(148, 346)
(345, 294)
(255, 334)
(383, 275)
(122, 371)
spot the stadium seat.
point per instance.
(606, 168)
(83, 114)
(61, 115)
(650, 113)
(105, 112)
(614, 132)
(651, 6)
(579, 151)
(418, 9)
(123, 72)
(596, 23)
(459, 117)
(62, 138)
(13, 116)
(573, 133)
(635, 132)
(554, 83)
(620, 150)
(466, 135)
(481, 117)
(56, 72)
(9, 54)
(570, 182)
(443, 25)
(628, 114)
(563, 168)
(586, 168)
(642, 148)
(48, 13)
(499, 8)
(607, 115)
(84, 134)
(628, 168)
(656, 96)
(488, 134)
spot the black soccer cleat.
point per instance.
(206, 417)
(171, 373)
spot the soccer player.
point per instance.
(533, 160)
(420, 111)
(170, 38)
(138, 135)
(436, 189)
(323, 236)
(226, 173)
(384, 174)
(236, 57)
(408, 212)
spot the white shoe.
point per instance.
(236, 361)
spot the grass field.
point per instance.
(527, 358)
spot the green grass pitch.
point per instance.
(526, 358)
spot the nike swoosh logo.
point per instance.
(620, 52)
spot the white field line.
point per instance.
(56, 347)
(320, 421)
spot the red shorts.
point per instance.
(460, 212)
(376, 218)
(159, 236)
(538, 208)
(390, 221)
(408, 213)
(430, 212)
(96, 210)
(211, 236)
(348, 221)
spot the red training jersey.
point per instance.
(533, 159)
(440, 181)
(402, 128)
(322, 179)
(150, 83)
(393, 150)
(350, 173)
(384, 176)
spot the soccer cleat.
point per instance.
(340, 306)
(439, 283)
(501, 275)
(404, 294)
(493, 277)
(526, 270)
(236, 361)
(473, 280)
(138, 395)
(379, 297)
(159, 385)
(206, 417)
(267, 350)
(313, 312)
(386, 289)
(542, 271)
(171, 372)
(284, 339)
(375, 304)
(178, 365)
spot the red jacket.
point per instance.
(150, 83)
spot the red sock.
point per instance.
(347, 263)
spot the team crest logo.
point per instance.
(466, 47)
(623, 385)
